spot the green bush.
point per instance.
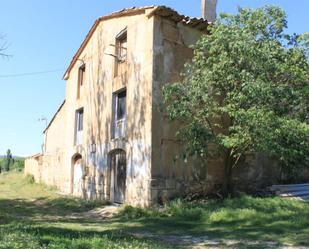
(177, 208)
(18, 165)
(29, 179)
(183, 209)
(129, 212)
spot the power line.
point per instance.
(29, 74)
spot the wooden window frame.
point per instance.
(115, 118)
(81, 79)
(121, 38)
(124, 93)
(79, 120)
(79, 125)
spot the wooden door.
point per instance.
(78, 178)
(119, 167)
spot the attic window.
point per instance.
(81, 79)
(81, 74)
(121, 52)
(121, 46)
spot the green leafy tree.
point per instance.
(8, 160)
(245, 91)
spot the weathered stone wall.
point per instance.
(48, 169)
(171, 175)
(32, 167)
(258, 171)
(96, 99)
(52, 168)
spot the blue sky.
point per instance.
(44, 35)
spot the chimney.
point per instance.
(209, 10)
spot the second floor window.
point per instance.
(121, 105)
(79, 126)
(119, 114)
(81, 79)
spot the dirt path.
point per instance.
(101, 213)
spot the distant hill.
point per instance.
(15, 157)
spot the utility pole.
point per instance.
(42, 119)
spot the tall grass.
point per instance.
(18, 237)
(35, 216)
(245, 218)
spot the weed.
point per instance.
(29, 179)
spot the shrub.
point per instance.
(29, 179)
(18, 165)
(177, 208)
(129, 212)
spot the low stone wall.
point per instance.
(259, 171)
(254, 174)
(32, 167)
(48, 170)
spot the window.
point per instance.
(80, 120)
(119, 114)
(121, 51)
(121, 105)
(79, 126)
(81, 79)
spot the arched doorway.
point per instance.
(118, 166)
(77, 175)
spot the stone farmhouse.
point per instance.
(110, 138)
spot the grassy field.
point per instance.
(36, 217)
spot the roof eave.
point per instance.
(124, 12)
(52, 120)
(202, 24)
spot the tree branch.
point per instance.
(3, 47)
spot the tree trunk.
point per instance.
(228, 170)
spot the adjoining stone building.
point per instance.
(110, 138)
